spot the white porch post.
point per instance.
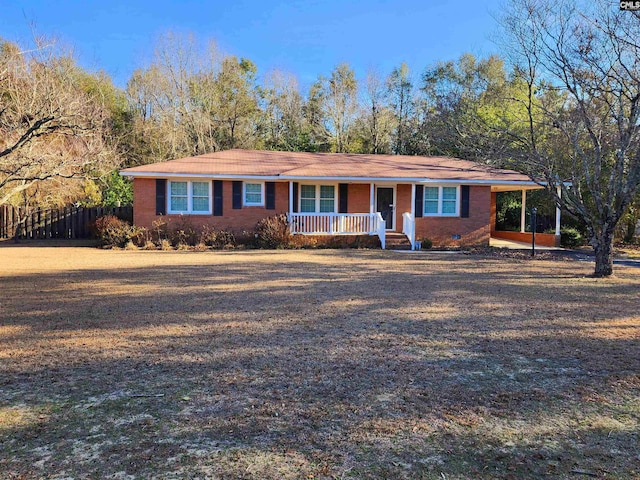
(523, 211)
(559, 192)
(372, 195)
(290, 198)
(413, 200)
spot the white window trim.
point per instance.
(244, 195)
(440, 200)
(189, 210)
(317, 199)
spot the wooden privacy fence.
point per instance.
(67, 222)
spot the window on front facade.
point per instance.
(431, 195)
(189, 197)
(253, 194)
(327, 198)
(317, 198)
(440, 201)
(307, 198)
(200, 196)
(179, 198)
(449, 200)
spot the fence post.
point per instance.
(74, 222)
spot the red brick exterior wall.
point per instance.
(144, 208)
(474, 230)
(542, 239)
(358, 198)
(403, 203)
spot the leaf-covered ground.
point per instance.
(315, 364)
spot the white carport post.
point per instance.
(559, 193)
(523, 211)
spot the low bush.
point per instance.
(427, 244)
(273, 232)
(217, 239)
(247, 239)
(160, 230)
(141, 237)
(184, 234)
(571, 237)
(114, 232)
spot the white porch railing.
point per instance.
(381, 225)
(409, 228)
(337, 224)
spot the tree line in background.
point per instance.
(61, 123)
(561, 104)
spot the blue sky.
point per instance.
(306, 38)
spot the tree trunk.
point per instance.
(603, 247)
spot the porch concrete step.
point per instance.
(397, 241)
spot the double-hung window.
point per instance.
(189, 197)
(317, 198)
(327, 198)
(179, 198)
(441, 201)
(253, 194)
(200, 197)
(307, 198)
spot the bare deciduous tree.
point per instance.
(400, 87)
(376, 115)
(341, 91)
(581, 63)
(283, 114)
(50, 127)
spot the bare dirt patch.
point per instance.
(320, 364)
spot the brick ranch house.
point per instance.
(450, 201)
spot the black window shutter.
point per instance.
(237, 194)
(343, 197)
(419, 200)
(161, 196)
(295, 197)
(270, 190)
(217, 198)
(464, 201)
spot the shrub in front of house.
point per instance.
(160, 231)
(217, 239)
(571, 237)
(427, 244)
(273, 232)
(114, 232)
(183, 234)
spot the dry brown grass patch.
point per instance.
(315, 364)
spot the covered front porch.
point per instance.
(352, 209)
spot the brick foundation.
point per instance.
(542, 239)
